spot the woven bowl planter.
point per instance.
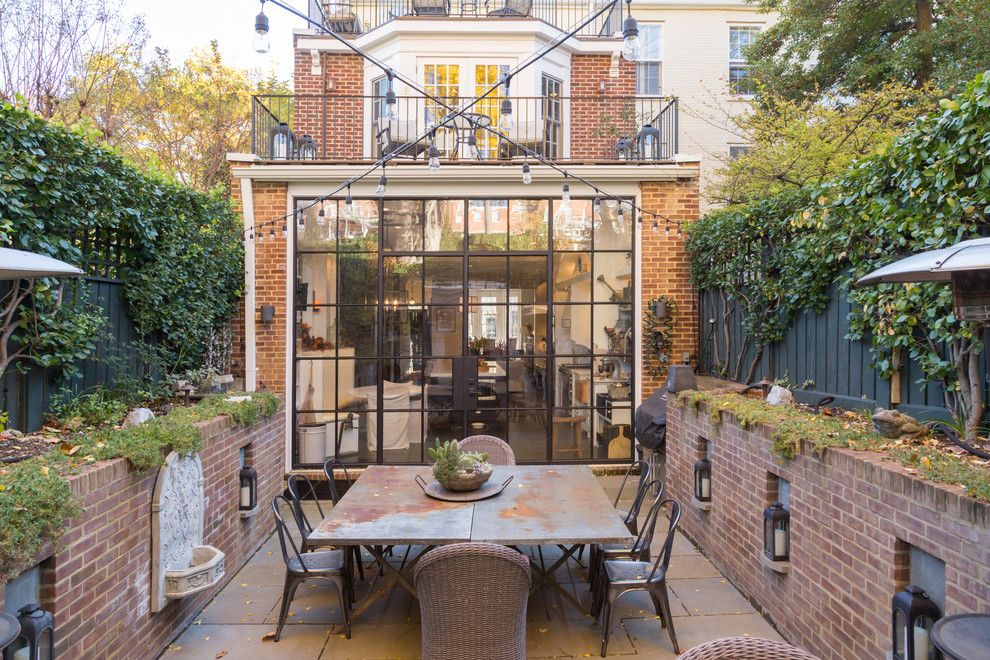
(466, 481)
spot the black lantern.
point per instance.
(624, 148)
(281, 142)
(37, 638)
(914, 614)
(307, 148)
(648, 143)
(703, 480)
(249, 488)
(777, 532)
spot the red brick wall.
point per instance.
(270, 277)
(98, 583)
(665, 263)
(598, 119)
(851, 514)
(336, 118)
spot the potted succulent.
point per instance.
(459, 470)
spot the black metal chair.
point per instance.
(631, 517)
(638, 550)
(328, 565)
(329, 466)
(625, 576)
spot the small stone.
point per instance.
(780, 396)
(138, 416)
(13, 433)
(898, 426)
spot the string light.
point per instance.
(390, 111)
(656, 227)
(382, 184)
(321, 217)
(527, 176)
(271, 234)
(505, 122)
(630, 35)
(285, 231)
(473, 150)
(348, 205)
(434, 155)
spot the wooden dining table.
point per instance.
(561, 505)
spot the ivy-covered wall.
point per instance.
(175, 253)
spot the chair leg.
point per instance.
(340, 582)
(608, 622)
(658, 608)
(358, 561)
(665, 603)
(288, 591)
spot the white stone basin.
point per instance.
(205, 571)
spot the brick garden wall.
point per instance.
(665, 264)
(98, 584)
(852, 516)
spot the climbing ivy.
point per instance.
(178, 252)
(929, 188)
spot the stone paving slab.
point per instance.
(705, 606)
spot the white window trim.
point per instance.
(659, 60)
(742, 61)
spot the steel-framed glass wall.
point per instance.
(425, 319)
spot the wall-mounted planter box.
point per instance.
(206, 571)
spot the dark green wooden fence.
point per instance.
(26, 396)
(818, 359)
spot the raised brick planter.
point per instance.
(98, 583)
(852, 516)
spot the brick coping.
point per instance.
(873, 467)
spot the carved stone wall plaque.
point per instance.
(180, 564)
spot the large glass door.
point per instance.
(421, 319)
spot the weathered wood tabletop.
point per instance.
(542, 505)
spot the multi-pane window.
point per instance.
(444, 81)
(740, 36)
(379, 86)
(737, 150)
(649, 63)
(551, 89)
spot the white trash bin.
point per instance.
(312, 443)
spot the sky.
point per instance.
(182, 26)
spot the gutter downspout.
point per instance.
(250, 301)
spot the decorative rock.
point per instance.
(780, 396)
(12, 433)
(896, 425)
(138, 416)
(237, 399)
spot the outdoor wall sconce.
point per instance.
(624, 148)
(660, 309)
(703, 480)
(648, 143)
(37, 638)
(249, 488)
(914, 614)
(776, 532)
(281, 142)
(307, 148)
(267, 313)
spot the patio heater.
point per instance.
(703, 480)
(624, 148)
(281, 142)
(913, 616)
(37, 638)
(249, 488)
(648, 143)
(777, 532)
(307, 148)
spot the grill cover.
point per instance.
(651, 420)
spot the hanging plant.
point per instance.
(659, 319)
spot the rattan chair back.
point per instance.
(752, 648)
(499, 452)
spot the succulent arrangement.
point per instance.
(453, 467)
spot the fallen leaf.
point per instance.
(45, 470)
(543, 630)
(243, 584)
(268, 637)
(220, 654)
(68, 448)
(176, 647)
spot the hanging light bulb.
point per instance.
(391, 108)
(261, 43)
(382, 184)
(621, 218)
(300, 219)
(348, 205)
(656, 227)
(251, 234)
(527, 176)
(271, 234)
(505, 122)
(261, 235)
(565, 201)
(630, 35)
(285, 231)
(473, 150)
(434, 155)
(666, 229)
(321, 217)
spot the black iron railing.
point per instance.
(361, 128)
(359, 16)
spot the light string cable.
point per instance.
(455, 112)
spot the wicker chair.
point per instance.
(752, 648)
(472, 602)
(499, 452)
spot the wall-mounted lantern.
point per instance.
(914, 614)
(307, 148)
(648, 143)
(777, 532)
(624, 148)
(281, 142)
(267, 313)
(249, 488)
(37, 638)
(703, 480)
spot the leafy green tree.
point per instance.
(796, 143)
(856, 45)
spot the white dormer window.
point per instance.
(648, 66)
(740, 36)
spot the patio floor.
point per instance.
(232, 625)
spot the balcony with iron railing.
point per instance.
(333, 128)
(351, 17)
